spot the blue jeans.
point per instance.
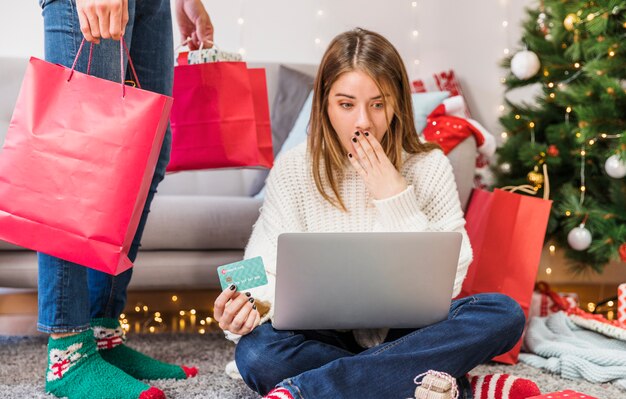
(329, 364)
(70, 294)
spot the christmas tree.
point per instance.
(575, 51)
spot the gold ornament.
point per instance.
(610, 90)
(583, 124)
(535, 178)
(569, 21)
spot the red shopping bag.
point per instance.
(258, 84)
(77, 163)
(507, 232)
(220, 118)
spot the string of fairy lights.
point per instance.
(142, 319)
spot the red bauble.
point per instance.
(622, 252)
(553, 151)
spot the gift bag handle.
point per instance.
(186, 42)
(123, 49)
(528, 189)
(545, 289)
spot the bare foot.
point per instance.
(62, 335)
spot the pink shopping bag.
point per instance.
(77, 163)
(220, 118)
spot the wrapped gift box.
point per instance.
(621, 304)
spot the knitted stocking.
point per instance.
(278, 393)
(110, 338)
(76, 370)
(502, 386)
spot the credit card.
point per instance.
(245, 274)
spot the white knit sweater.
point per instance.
(293, 204)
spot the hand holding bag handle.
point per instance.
(123, 49)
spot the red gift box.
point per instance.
(546, 302)
(621, 303)
(567, 394)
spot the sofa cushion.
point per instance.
(463, 161)
(292, 91)
(297, 135)
(5, 246)
(185, 222)
(424, 104)
(153, 270)
(180, 269)
(13, 70)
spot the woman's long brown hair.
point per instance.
(371, 53)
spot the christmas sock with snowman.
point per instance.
(110, 340)
(76, 370)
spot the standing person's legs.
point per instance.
(63, 286)
(151, 51)
(477, 329)
(152, 55)
(75, 368)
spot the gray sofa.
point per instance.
(199, 220)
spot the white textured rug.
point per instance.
(23, 361)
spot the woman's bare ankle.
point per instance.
(62, 335)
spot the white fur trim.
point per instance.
(489, 145)
(232, 371)
(455, 106)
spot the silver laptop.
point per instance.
(364, 280)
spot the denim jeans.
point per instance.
(70, 294)
(325, 364)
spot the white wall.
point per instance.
(465, 35)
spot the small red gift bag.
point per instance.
(220, 117)
(506, 231)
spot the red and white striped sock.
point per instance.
(502, 386)
(278, 393)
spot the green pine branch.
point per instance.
(576, 122)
